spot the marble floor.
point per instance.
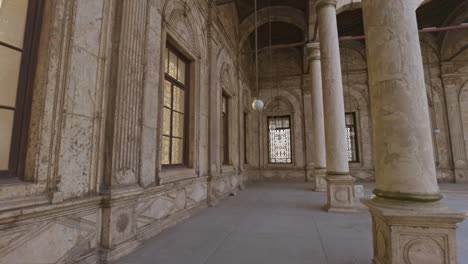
(277, 223)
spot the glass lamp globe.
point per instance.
(258, 105)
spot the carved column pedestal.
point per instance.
(320, 180)
(405, 232)
(340, 192)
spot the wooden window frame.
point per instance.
(290, 139)
(24, 94)
(355, 137)
(186, 88)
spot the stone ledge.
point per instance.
(176, 174)
(42, 212)
(167, 187)
(398, 212)
(22, 202)
(9, 190)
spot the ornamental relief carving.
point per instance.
(381, 240)
(424, 250)
(342, 195)
(181, 24)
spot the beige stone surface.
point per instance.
(413, 232)
(340, 183)
(320, 176)
(94, 188)
(318, 128)
(400, 117)
(409, 224)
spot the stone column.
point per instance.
(340, 183)
(409, 225)
(318, 131)
(308, 136)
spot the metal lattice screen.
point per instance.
(351, 137)
(279, 139)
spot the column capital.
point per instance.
(323, 3)
(313, 51)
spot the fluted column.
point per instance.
(340, 183)
(318, 130)
(122, 160)
(409, 225)
(122, 149)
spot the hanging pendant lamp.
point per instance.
(257, 104)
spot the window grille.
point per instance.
(351, 137)
(279, 136)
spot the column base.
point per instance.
(413, 232)
(461, 175)
(320, 180)
(310, 174)
(340, 193)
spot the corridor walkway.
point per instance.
(276, 223)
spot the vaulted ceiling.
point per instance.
(350, 23)
(436, 12)
(281, 32)
(246, 7)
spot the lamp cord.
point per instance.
(347, 79)
(256, 48)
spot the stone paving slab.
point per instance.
(277, 223)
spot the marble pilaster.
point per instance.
(340, 183)
(409, 224)
(123, 130)
(318, 131)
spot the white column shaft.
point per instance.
(404, 157)
(337, 158)
(318, 126)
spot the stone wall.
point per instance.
(94, 188)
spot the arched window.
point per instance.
(19, 32)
